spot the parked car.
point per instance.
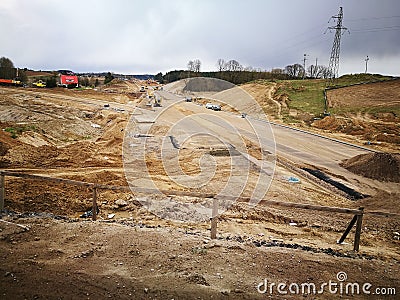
(216, 107)
(209, 105)
(189, 99)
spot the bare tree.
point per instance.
(221, 64)
(233, 65)
(249, 69)
(196, 65)
(277, 71)
(318, 71)
(190, 66)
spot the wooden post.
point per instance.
(358, 230)
(2, 191)
(214, 219)
(352, 222)
(94, 206)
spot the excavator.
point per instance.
(39, 83)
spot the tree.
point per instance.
(51, 82)
(197, 65)
(233, 65)
(7, 70)
(6, 62)
(108, 78)
(158, 77)
(190, 66)
(294, 71)
(221, 64)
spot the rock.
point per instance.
(225, 292)
(121, 203)
(212, 245)
(198, 279)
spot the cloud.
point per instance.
(147, 37)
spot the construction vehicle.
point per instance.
(10, 82)
(157, 101)
(39, 83)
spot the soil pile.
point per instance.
(380, 166)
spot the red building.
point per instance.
(67, 80)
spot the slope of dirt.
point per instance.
(380, 166)
(385, 93)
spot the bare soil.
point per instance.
(380, 166)
(130, 253)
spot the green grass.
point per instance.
(307, 96)
(350, 79)
(17, 130)
(304, 95)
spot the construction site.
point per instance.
(76, 219)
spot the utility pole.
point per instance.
(304, 65)
(334, 60)
(315, 71)
(366, 64)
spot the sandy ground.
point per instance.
(136, 255)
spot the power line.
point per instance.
(376, 29)
(372, 18)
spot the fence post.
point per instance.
(94, 205)
(214, 219)
(358, 230)
(2, 190)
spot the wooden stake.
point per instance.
(94, 207)
(358, 230)
(352, 222)
(2, 191)
(214, 219)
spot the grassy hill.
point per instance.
(363, 107)
(305, 98)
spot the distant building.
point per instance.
(68, 78)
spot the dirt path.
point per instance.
(97, 260)
(270, 93)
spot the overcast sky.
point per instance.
(136, 36)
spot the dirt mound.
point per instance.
(380, 166)
(203, 84)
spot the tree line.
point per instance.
(235, 72)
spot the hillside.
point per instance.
(364, 113)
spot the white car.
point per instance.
(209, 105)
(216, 107)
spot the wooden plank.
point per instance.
(214, 219)
(46, 178)
(358, 230)
(2, 191)
(303, 206)
(94, 204)
(348, 229)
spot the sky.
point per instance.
(147, 37)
